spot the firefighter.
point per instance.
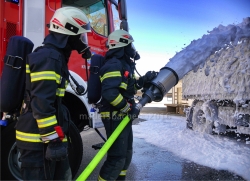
(118, 89)
(44, 122)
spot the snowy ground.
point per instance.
(169, 133)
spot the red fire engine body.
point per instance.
(29, 18)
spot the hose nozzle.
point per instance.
(165, 80)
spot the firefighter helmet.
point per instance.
(119, 38)
(69, 21)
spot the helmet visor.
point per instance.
(84, 38)
(87, 27)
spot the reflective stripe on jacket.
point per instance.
(46, 79)
(116, 87)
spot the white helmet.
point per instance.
(69, 21)
(119, 38)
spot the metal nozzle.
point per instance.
(165, 80)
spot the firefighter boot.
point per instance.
(122, 175)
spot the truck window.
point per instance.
(95, 11)
(116, 19)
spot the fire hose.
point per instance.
(91, 166)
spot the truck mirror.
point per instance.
(124, 25)
(122, 9)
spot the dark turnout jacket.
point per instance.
(46, 80)
(118, 85)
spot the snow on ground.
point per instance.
(170, 133)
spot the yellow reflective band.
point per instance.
(123, 173)
(111, 74)
(100, 178)
(42, 123)
(27, 68)
(117, 100)
(60, 92)
(45, 75)
(114, 113)
(105, 114)
(29, 137)
(123, 85)
(48, 134)
(126, 108)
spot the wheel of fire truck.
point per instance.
(75, 149)
(199, 122)
(78, 111)
(10, 165)
(8, 138)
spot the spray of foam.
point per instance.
(199, 50)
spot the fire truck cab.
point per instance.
(29, 18)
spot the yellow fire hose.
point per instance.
(91, 166)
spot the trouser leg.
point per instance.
(32, 167)
(129, 152)
(122, 175)
(35, 167)
(117, 154)
(62, 170)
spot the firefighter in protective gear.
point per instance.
(118, 89)
(44, 121)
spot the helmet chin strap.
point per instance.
(84, 49)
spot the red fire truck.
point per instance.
(29, 18)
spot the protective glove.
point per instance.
(150, 75)
(86, 54)
(56, 151)
(133, 113)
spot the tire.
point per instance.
(75, 149)
(10, 166)
(199, 122)
(8, 140)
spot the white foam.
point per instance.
(170, 133)
(199, 50)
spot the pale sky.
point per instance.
(161, 28)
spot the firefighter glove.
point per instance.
(56, 150)
(133, 113)
(150, 75)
